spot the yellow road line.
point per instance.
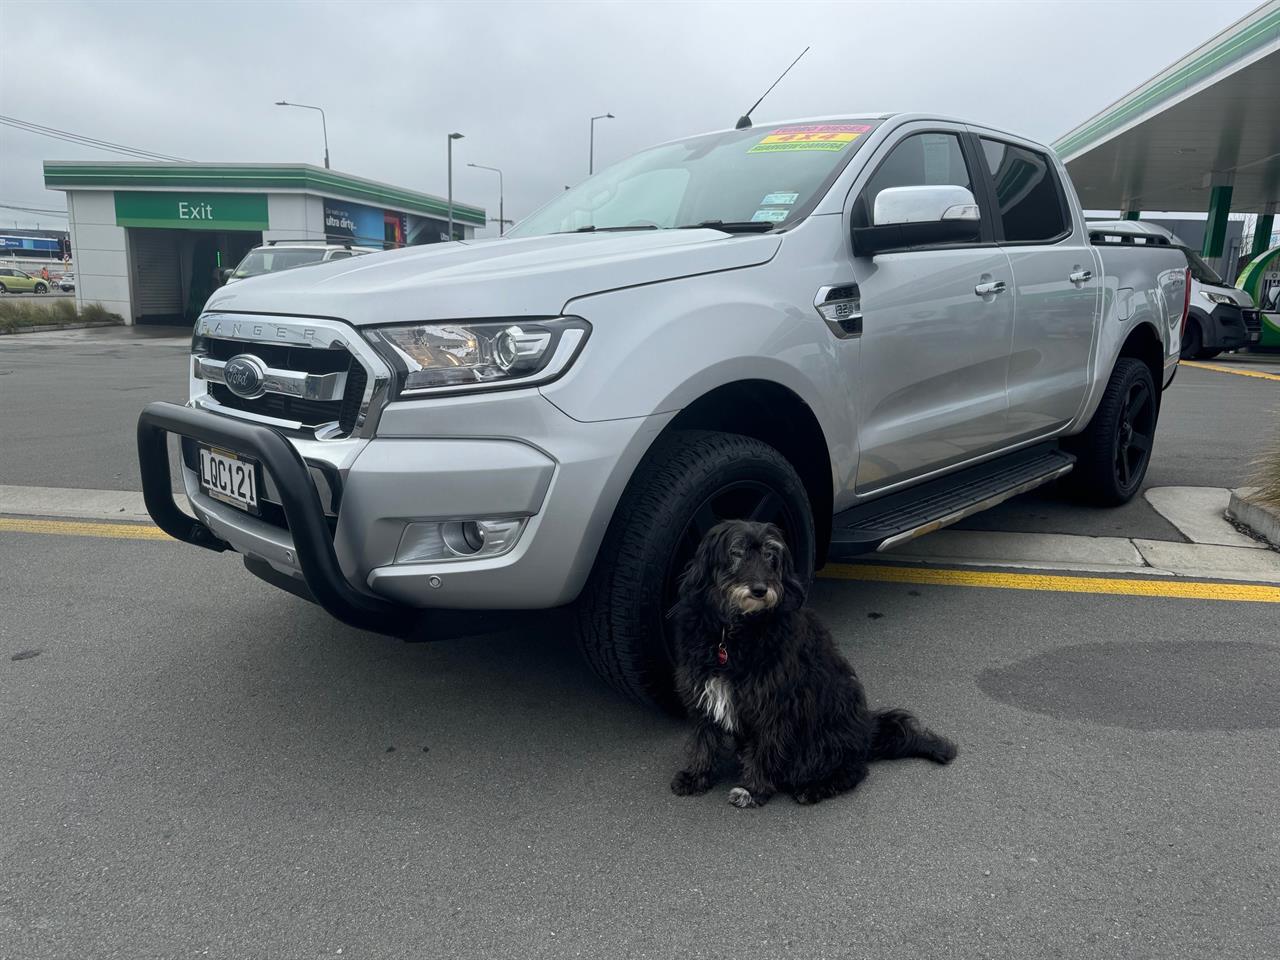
(83, 528)
(1180, 589)
(1238, 371)
(933, 576)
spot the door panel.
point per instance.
(935, 356)
(1054, 315)
(1052, 336)
(935, 353)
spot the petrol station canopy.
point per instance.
(1211, 119)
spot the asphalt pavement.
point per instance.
(195, 764)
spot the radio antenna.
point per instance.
(744, 121)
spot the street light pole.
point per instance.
(324, 126)
(452, 137)
(591, 155)
(502, 223)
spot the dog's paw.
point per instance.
(686, 783)
(741, 798)
(807, 797)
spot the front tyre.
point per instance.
(41, 288)
(1192, 340)
(688, 482)
(1114, 451)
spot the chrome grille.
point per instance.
(310, 413)
(311, 375)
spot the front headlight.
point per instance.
(433, 358)
(1217, 297)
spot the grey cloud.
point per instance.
(521, 79)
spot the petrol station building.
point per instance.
(148, 240)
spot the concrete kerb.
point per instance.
(1262, 518)
(48, 327)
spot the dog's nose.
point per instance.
(759, 591)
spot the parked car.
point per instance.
(13, 280)
(1222, 317)
(859, 328)
(67, 282)
(277, 255)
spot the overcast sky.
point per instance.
(520, 80)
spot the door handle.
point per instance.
(990, 288)
(1080, 276)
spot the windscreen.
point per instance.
(1201, 272)
(271, 259)
(769, 176)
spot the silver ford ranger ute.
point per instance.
(860, 328)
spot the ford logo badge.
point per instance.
(245, 376)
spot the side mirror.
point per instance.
(906, 217)
(226, 273)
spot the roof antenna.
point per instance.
(744, 121)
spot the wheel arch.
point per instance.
(774, 414)
(1143, 343)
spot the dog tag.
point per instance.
(722, 655)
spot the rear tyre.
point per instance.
(1207, 354)
(1192, 339)
(3, 288)
(1114, 451)
(688, 482)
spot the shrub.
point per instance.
(1268, 477)
(97, 313)
(16, 314)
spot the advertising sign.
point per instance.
(29, 243)
(363, 226)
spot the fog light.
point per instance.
(457, 540)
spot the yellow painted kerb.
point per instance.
(1238, 371)
(934, 576)
(1178, 589)
(83, 528)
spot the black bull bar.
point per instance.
(304, 515)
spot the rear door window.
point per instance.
(1028, 196)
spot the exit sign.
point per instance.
(192, 211)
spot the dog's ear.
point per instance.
(700, 575)
(793, 591)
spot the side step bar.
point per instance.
(899, 517)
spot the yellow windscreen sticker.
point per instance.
(818, 136)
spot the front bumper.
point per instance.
(310, 539)
(442, 459)
(1227, 327)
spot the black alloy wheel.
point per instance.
(1135, 434)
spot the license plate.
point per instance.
(229, 478)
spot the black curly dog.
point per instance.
(762, 678)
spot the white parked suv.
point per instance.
(277, 255)
(859, 328)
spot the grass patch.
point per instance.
(17, 314)
(1268, 477)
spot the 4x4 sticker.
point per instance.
(817, 136)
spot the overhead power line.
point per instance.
(41, 210)
(85, 141)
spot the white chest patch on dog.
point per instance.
(717, 702)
